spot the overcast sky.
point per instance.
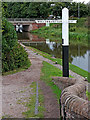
(85, 1)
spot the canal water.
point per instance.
(79, 55)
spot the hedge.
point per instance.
(13, 55)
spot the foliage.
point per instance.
(43, 9)
(17, 69)
(8, 35)
(4, 9)
(13, 55)
(27, 10)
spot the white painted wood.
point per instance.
(48, 21)
(54, 21)
(65, 36)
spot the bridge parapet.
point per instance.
(24, 19)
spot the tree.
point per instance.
(42, 9)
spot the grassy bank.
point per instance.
(48, 71)
(78, 32)
(59, 61)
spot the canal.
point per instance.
(79, 55)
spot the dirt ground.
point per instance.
(17, 86)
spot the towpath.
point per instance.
(16, 87)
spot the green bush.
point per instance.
(9, 35)
(13, 55)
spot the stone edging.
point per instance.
(73, 102)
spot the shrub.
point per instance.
(13, 55)
(9, 35)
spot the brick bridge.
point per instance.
(28, 23)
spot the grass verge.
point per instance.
(30, 113)
(48, 71)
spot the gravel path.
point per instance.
(16, 87)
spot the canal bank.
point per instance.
(78, 55)
(51, 60)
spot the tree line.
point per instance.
(43, 9)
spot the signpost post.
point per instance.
(65, 38)
(65, 42)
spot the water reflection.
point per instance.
(28, 37)
(51, 45)
(82, 61)
(78, 54)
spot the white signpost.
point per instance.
(65, 37)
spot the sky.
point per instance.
(85, 1)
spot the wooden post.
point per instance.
(65, 44)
